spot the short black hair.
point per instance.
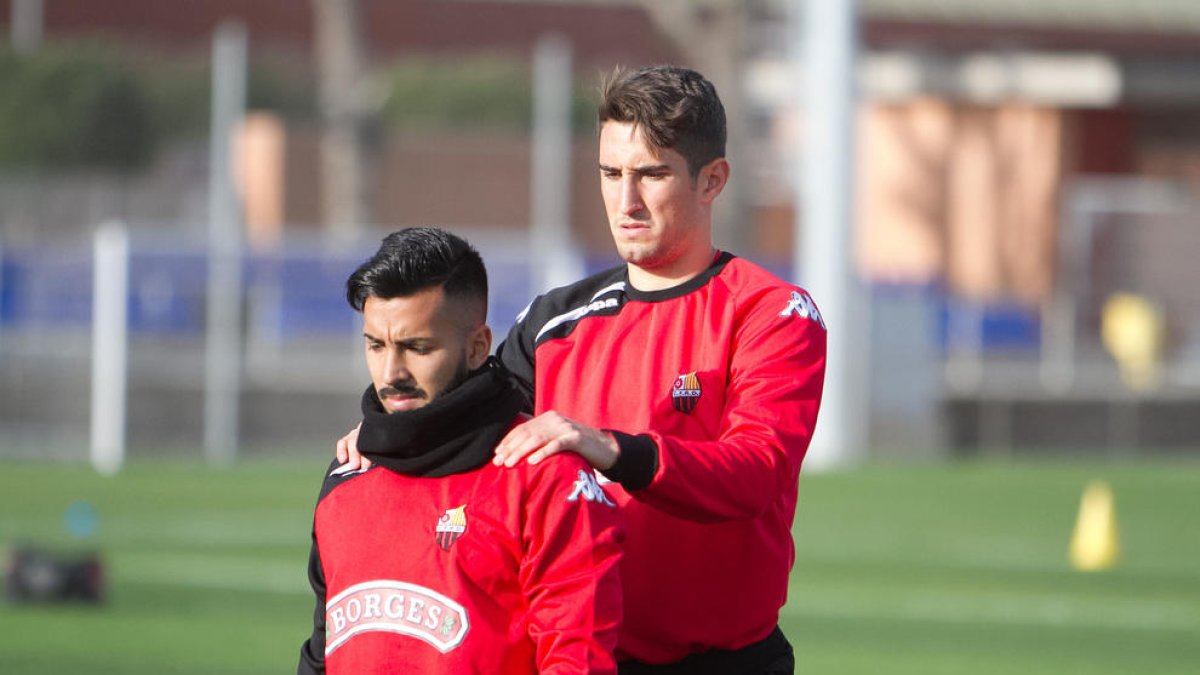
(676, 109)
(414, 259)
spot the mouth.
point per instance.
(395, 400)
(633, 228)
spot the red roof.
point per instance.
(602, 35)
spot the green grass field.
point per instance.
(957, 568)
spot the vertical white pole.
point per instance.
(556, 260)
(224, 331)
(28, 19)
(825, 262)
(110, 286)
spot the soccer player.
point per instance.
(690, 378)
(434, 560)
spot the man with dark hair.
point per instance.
(688, 377)
(434, 560)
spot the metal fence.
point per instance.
(301, 343)
(946, 374)
(1050, 376)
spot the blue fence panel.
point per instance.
(312, 293)
(48, 287)
(300, 292)
(8, 286)
(1001, 325)
(167, 291)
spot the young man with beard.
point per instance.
(690, 378)
(434, 560)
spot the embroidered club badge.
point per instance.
(685, 393)
(451, 526)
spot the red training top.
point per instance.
(488, 571)
(712, 390)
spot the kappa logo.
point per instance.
(451, 526)
(587, 488)
(685, 393)
(802, 306)
(394, 607)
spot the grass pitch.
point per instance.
(957, 568)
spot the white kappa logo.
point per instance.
(802, 306)
(587, 488)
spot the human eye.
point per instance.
(610, 173)
(421, 348)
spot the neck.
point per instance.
(683, 270)
(456, 432)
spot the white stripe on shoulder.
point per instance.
(619, 286)
(580, 312)
(521, 316)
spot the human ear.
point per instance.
(713, 178)
(479, 346)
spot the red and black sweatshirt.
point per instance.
(711, 389)
(436, 561)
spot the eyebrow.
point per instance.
(407, 342)
(640, 170)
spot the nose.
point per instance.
(395, 368)
(631, 197)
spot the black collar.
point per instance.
(720, 260)
(454, 433)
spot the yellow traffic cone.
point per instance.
(1094, 544)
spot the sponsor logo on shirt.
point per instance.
(685, 393)
(588, 489)
(802, 306)
(451, 526)
(394, 607)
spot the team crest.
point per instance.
(451, 526)
(685, 393)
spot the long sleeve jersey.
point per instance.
(711, 389)
(488, 571)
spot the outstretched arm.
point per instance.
(551, 433)
(772, 394)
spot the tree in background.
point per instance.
(74, 106)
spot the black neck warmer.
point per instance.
(454, 433)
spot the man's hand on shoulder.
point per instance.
(348, 454)
(551, 433)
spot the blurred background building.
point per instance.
(1028, 176)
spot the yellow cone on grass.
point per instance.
(1094, 545)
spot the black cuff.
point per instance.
(637, 463)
